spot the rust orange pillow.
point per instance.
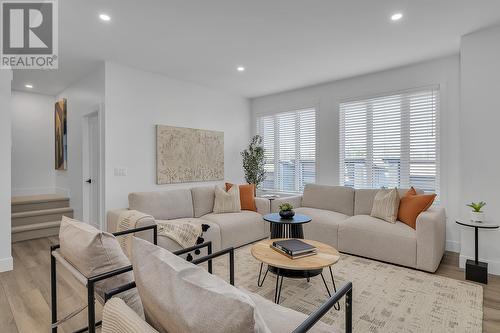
(412, 204)
(247, 196)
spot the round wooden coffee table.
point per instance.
(300, 268)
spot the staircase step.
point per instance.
(37, 230)
(40, 216)
(38, 202)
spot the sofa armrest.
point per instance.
(263, 206)
(112, 223)
(295, 200)
(431, 238)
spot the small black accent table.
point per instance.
(287, 228)
(476, 270)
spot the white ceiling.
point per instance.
(283, 44)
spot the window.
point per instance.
(391, 141)
(289, 141)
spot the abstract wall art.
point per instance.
(61, 135)
(188, 155)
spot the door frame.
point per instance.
(99, 111)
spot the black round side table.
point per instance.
(476, 270)
(287, 228)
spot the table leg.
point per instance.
(337, 305)
(259, 282)
(277, 291)
(476, 245)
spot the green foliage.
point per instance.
(476, 207)
(253, 162)
(284, 207)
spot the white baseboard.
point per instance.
(6, 264)
(493, 266)
(452, 246)
(32, 191)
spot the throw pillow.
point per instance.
(412, 204)
(93, 252)
(117, 317)
(227, 202)
(247, 196)
(181, 297)
(385, 205)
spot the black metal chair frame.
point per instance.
(91, 281)
(305, 326)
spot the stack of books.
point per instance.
(294, 248)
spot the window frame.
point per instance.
(258, 116)
(435, 88)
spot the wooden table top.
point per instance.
(326, 256)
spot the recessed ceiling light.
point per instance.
(28, 85)
(396, 16)
(240, 69)
(105, 17)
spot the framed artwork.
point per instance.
(61, 135)
(188, 155)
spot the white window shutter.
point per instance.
(289, 141)
(391, 141)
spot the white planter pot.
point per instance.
(477, 217)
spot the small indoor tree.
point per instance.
(253, 162)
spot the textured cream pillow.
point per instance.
(386, 205)
(94, 252)
(117, 317)
(180, 297)
(227, 202)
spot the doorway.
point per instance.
(92, 170)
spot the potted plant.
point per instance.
(253, 162)
(286, 211)
(477, 215)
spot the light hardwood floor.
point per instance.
(25, 291)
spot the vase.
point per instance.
(287, 214)
(477, 216)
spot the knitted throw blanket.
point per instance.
(126, 221)
(183, 232)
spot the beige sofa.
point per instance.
(341, 218)
(196, 205)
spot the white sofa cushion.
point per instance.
(280, 319)
(336, 198)
(374, 238)
(241, 228)
(94, 252)
(323, 226)
(203, 200)
(180, 297)
(165, 205)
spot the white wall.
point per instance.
(136, 101)
(326, 98)
(33, 169)
(83, 97)
(480, 138)
(5, 169)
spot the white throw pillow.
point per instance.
(94, 252)
(180, 297)
(386, 205)
(227, 202)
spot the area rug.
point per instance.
(387, 298)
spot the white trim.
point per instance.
(452, 246)
(431, 86)
(493, 265)
(6, 264)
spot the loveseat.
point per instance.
(341, 218)
(196, 206)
